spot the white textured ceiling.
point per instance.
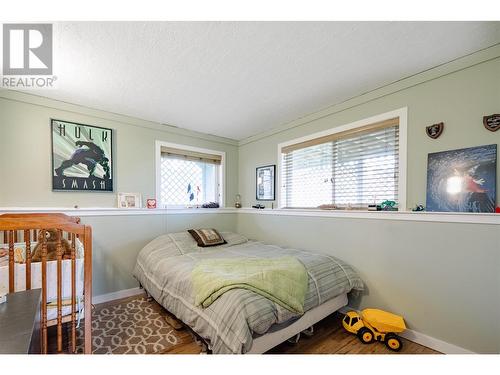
(236, 79)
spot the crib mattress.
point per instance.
(36, 278)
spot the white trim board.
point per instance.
(98, 211)
(425, 340)
(434, 343)
(439, 217)
(117, 295)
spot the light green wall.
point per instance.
(25, 180)
(459, 99)
(25, 156)
(118, 239)
(443, 278)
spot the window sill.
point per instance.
(442, 217)
(113, 211)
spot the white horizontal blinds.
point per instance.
(307, 174)
(190, 155)
(366, 168)
(351, 168)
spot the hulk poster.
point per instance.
(81, 157)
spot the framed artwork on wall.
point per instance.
(130, 200)
(82, 157)
(462, 180)
(265, 183)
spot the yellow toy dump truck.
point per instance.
(373, 324)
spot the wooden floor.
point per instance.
(329, 338)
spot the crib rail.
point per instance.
(28, 228)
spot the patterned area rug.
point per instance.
(132, 326)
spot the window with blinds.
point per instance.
(188, 178)
(353, 168)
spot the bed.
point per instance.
(240, 320)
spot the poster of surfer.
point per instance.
(81, 157)
(462, 180)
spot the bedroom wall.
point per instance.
(118, 239)
(25, 178)
(25, 153)
(460, 100)
(443, 277)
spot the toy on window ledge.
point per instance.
(328, 207)
(418, 208)
(259, 206)
(210, 205)
(376, 325)
(388, 206)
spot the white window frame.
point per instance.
(222, 169)
(401, 114)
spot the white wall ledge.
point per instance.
(442, 217)
(111, 211)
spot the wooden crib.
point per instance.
(28, 228)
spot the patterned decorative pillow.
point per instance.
(207, 237)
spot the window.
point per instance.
(353, 167)
(354, 321)
(188, 176)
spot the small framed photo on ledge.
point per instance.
(265, 183)
(129, 200)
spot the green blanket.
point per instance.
(283, 280)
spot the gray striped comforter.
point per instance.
(228, 325)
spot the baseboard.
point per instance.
(425, 340)
(433, 343)
(117, 295)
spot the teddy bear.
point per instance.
(4, 258)
(51, 236)
(18, 256)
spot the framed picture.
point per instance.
(82, 157)
(462, 180)
(129, 200)
(265, 183)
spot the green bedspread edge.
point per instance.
(283, 280)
